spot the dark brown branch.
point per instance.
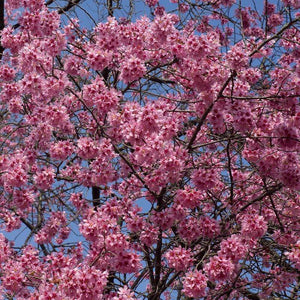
(149, 265)
(2, 24)
(110, 8)
(268, 192)
(249, 295)
(49, 2)
(275, 210)
(96, 196)
(230, 171)
(33, 229)
(96, 189)
(158, 254)
(161, 81)
(285, 27)
(70, 5)
(208, 110)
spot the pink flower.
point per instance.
(179, 258)
(237, 57)
(253, 226)
(205, 179)
(44, 178)
(61, 150)
(294, 255)
(194, 284)
(5, 250)
(219, 268)
(124, 293)
(99, 59)
(151, 2)
(189, 198)
(233, 248)
(87, 148)
(132, 69)
(149, 235)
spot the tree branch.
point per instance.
(70, 4)
(2, 25)
(208, 110)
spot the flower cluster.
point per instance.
(44, 178)
(253, 226)
(194, 284)
(169, 149)
(219, 268)
(179, 258)
(55, 224)
(294, 255)
(132, 69)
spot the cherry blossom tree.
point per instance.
(150, 157)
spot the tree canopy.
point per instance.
(149, 149)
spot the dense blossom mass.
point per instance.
(152, 158)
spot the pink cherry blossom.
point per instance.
(195, 283)
(219, 268)
(179, 258)
(149, 151)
